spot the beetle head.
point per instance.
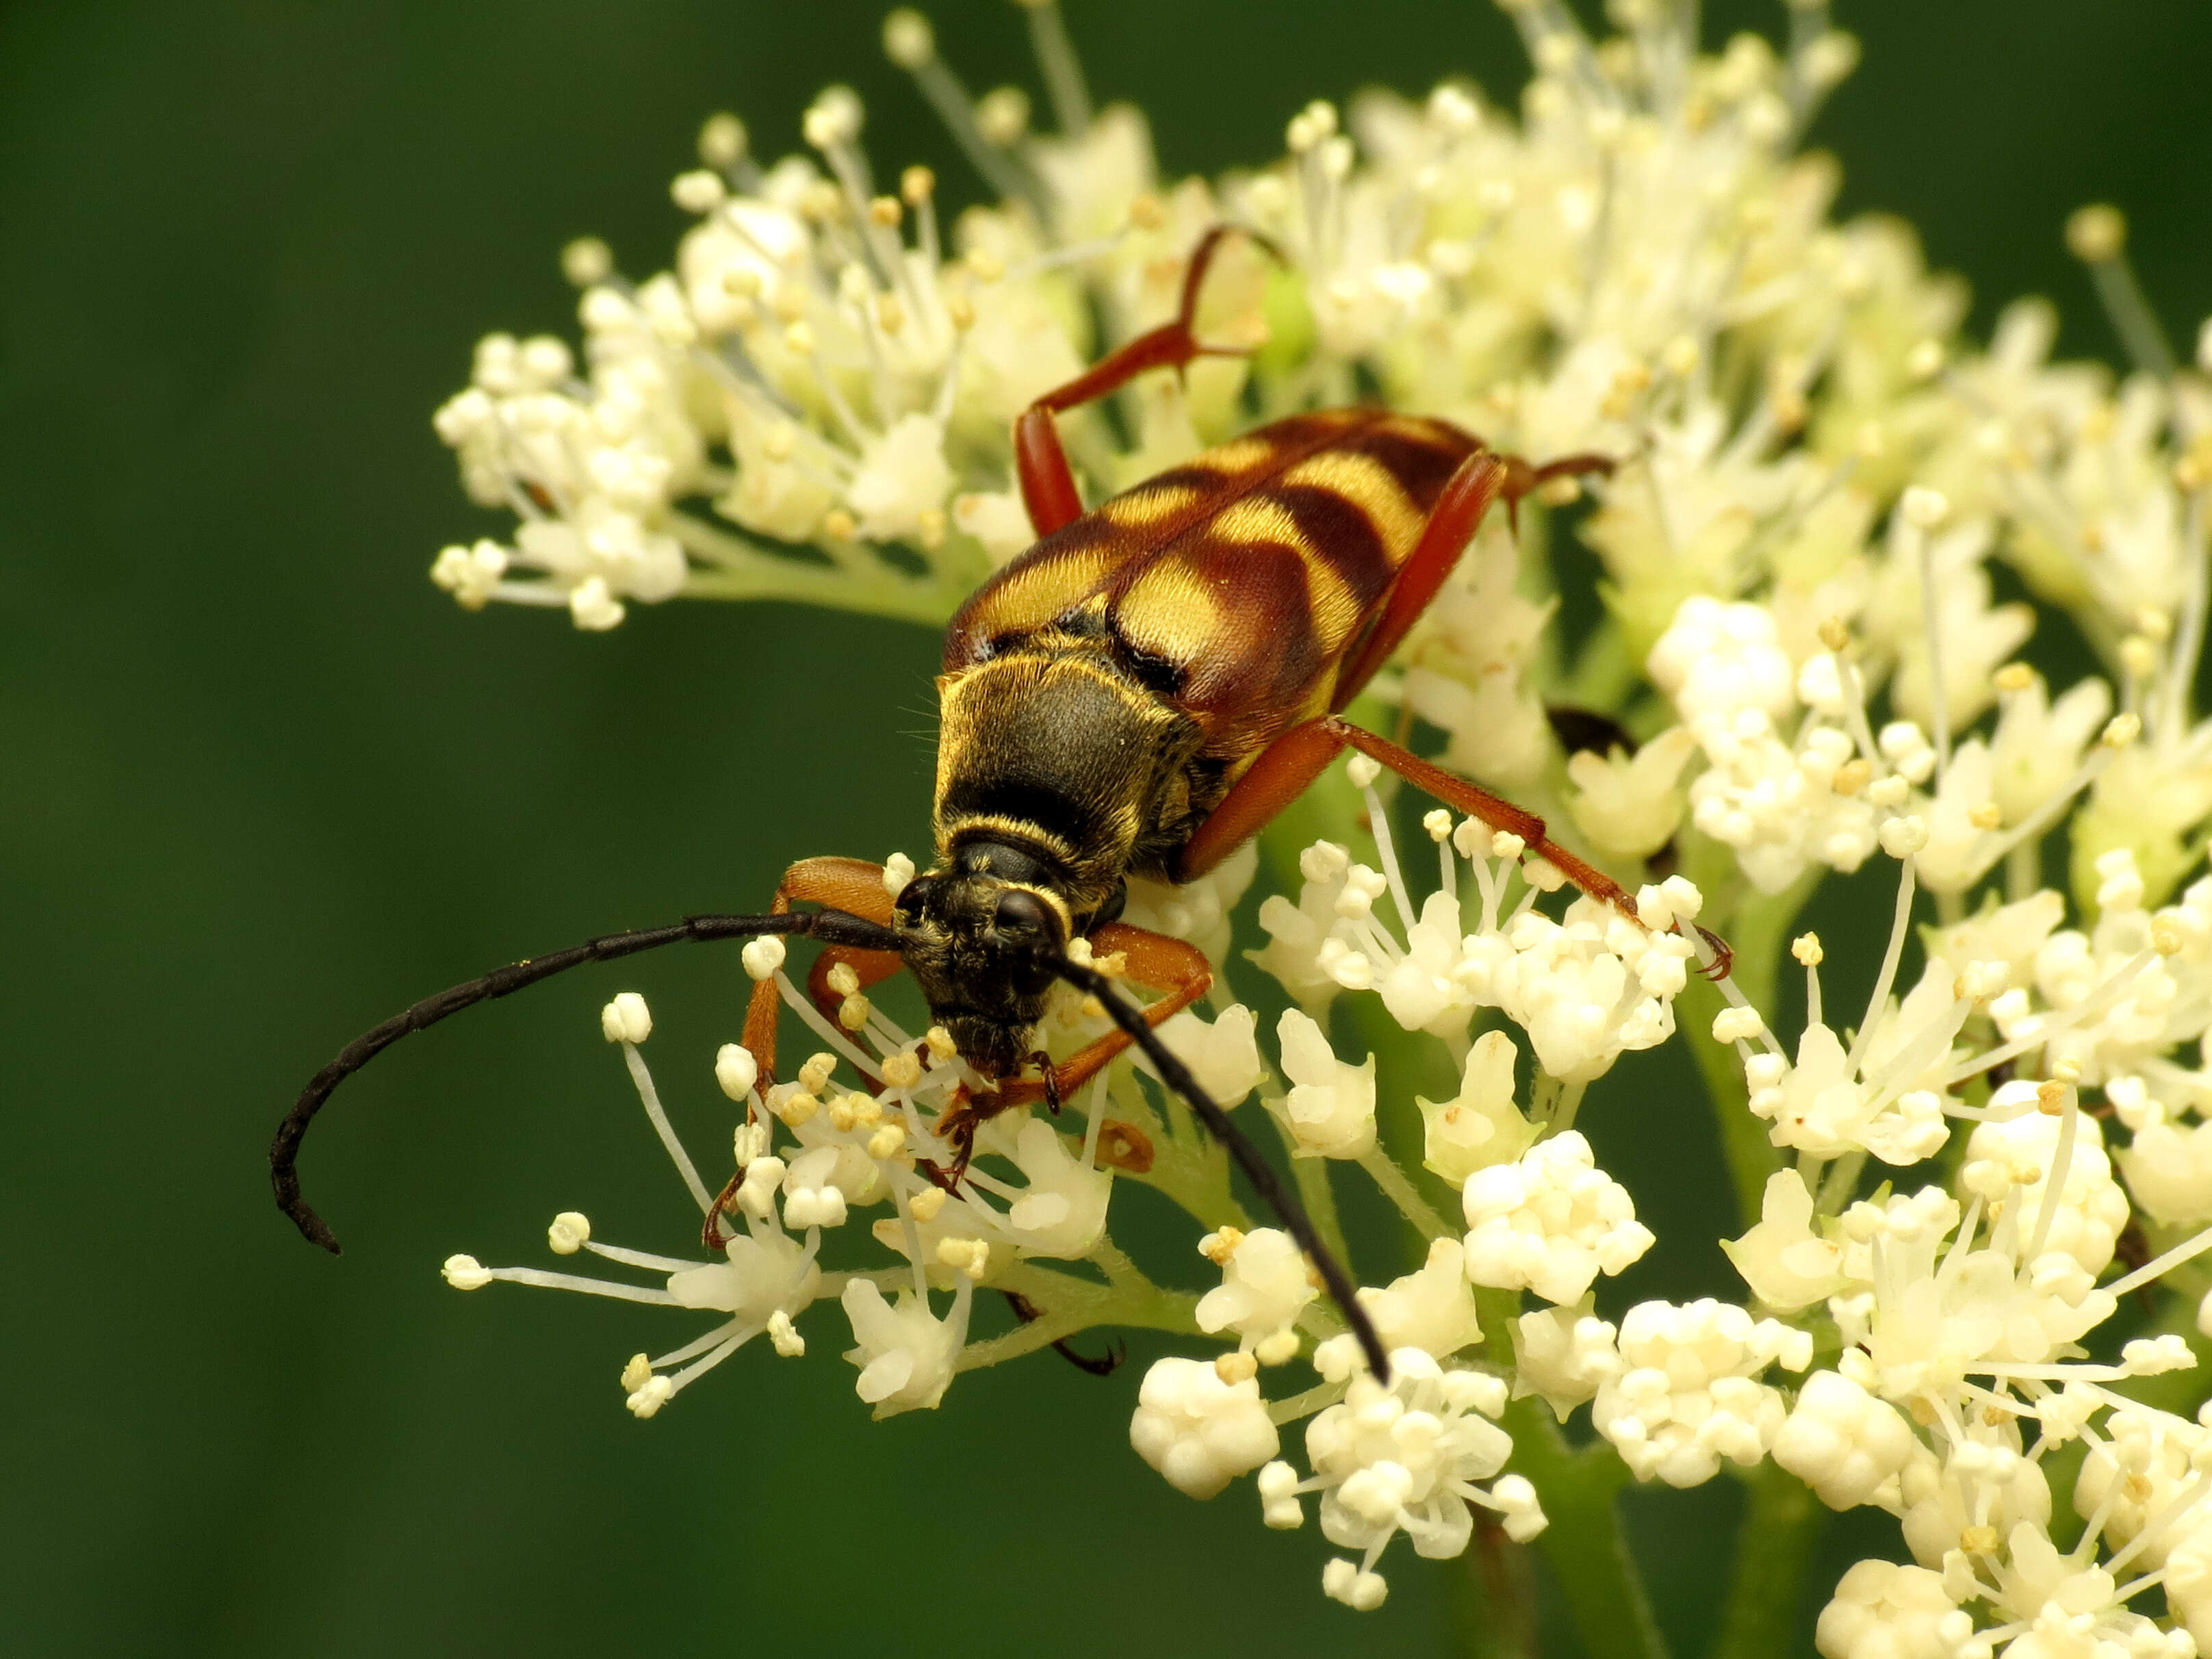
(979, 937)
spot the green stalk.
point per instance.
(1066, 1305)
(1774, 1546)
(1584, 1543)
(742, 569)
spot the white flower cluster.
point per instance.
(1804, 663)
(1586, 988)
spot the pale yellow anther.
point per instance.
(2165, 935)
(929, 529)
(2013, 677)
(842, 979)
(840, 1115)
(1925, 360)
(917, 185)
(1234, 1368)
(1146, 212)
(799, 338)
(959, 311)
(1504, 844)
(588, 261)
(890, 315)
(885, 210)
(1438, 823)
(1978, 1540)
(940, 1043)
(1851, 776)
(1219, 1245)
(779, 441)
(866, 1108)
(1988, 816)
(970, 1255)
(2067, 1071)
(2051, 1098)
(1093, 1008)
(1280, 1347)
(1806, 947)
(1835, 634)
(814, 1076)
(2139, 657)
(2097, 233)
(1115, 964)
(901, 1071)
(1680, 356)
(1561, 492)
(2121, 731)
(839, 525)
(797, 1109)
(926, 1203)
(887, 1141)
(636, 1373)
(986, 264)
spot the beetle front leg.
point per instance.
(852, 885)
(1156, 961)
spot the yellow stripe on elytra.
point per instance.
(1150, 504)
(1372, 487)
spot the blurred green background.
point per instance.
(261, 785)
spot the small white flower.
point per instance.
(1198, 1431)
(1884, 1611)
(1564, 1355)
(1688, 1393)
(1405, 1459)
(1785, 1264)
(1551, 1222)
(1628, 805)
(1331, 1106)
(1431, 1309)
(905, 1354)
(1841, 1441)
(1481, 1126)
(1223, 1054)
(1265, 1284)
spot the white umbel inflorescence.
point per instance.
(1802, 670)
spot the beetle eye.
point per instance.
(1020, 912)
(912, 897)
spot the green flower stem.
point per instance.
(1584, 1543)
(1774, 1546)
(1492, 1597)
(1398, 1186)
(1311, 1176)
(1066, 1305)
(743, 569)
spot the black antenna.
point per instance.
(832, 926)
(1261, 1174)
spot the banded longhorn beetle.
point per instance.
(1138, 694)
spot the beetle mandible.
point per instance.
(1138, 694)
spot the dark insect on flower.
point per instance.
(1139, 694)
